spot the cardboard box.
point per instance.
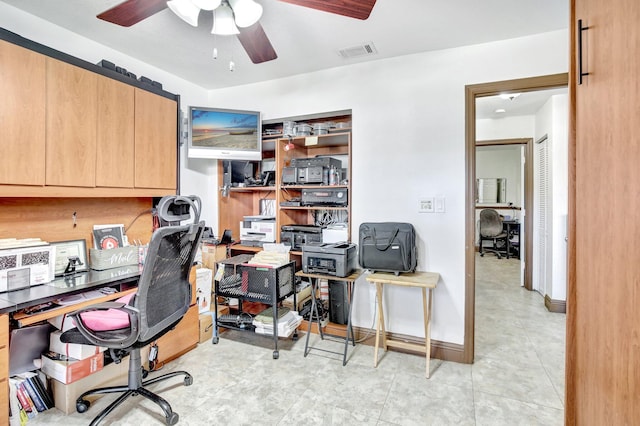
(204, 278)
(206, 323)
(71, 370)
(65, 395)
(206, 326)
(72, 350)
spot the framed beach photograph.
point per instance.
(74, 250)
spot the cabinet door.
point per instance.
(71, 125)
(603, 359)
(115, 143)
(156, 141)
(22, 115)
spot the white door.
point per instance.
(541, 244)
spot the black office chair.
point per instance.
(491, 229)
(162, 299)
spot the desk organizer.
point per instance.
(113, 258)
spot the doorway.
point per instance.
(511, 160)
(471, 93)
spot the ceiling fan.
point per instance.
(253, 38)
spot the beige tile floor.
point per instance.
(517, 377)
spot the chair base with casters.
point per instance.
(495, 249)
(136, 386)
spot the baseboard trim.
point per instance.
(440, 350)
(555, 306)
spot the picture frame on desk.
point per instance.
(71, 249)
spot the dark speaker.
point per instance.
(338, 302)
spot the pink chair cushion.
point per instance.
(110, 319)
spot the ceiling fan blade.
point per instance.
(257, 44)
(358, 9)
(132, 11)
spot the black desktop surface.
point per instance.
(83, 281)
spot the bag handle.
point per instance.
(375, 240)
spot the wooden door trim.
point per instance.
(471, 93)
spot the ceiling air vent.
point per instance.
(358, 51)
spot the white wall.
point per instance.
(520, 126)
(408, 143)
(502, 161)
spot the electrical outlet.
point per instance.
(426, 205)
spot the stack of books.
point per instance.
(288, 322)
(27, 397)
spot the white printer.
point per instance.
(257, 230)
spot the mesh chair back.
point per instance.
(164, 291)
(490, 223)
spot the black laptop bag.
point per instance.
(388, 247)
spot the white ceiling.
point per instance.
(527, 103)
(306, 40)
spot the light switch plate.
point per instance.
(439, 204)
(426, 205)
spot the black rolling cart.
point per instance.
(253, 283)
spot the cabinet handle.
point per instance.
(580, 71)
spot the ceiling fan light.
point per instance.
(247, 12)
(207, 4)
(185, 10)
(223, 23)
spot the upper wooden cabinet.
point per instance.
(156, 136)
(22, 115)
(72, 114)
(115, 148)
(70, 129)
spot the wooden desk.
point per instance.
(349, 280)
(427, 281)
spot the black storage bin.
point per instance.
(260, 284)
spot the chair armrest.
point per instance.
(121, 338)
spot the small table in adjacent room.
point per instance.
(314, 279)
(427, 281)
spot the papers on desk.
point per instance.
(272, 256)
(287, 323)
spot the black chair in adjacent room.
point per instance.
(492, 229)
(162, 299)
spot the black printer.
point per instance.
(337, 259)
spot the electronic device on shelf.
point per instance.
(298, 235)
(331, 259)
(324, 196)
(314, 170)
(294, 202)
(241, 320)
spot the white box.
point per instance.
(204, 278)
(27, 266)
(334, 235)
(72, 350)
(62, 322)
